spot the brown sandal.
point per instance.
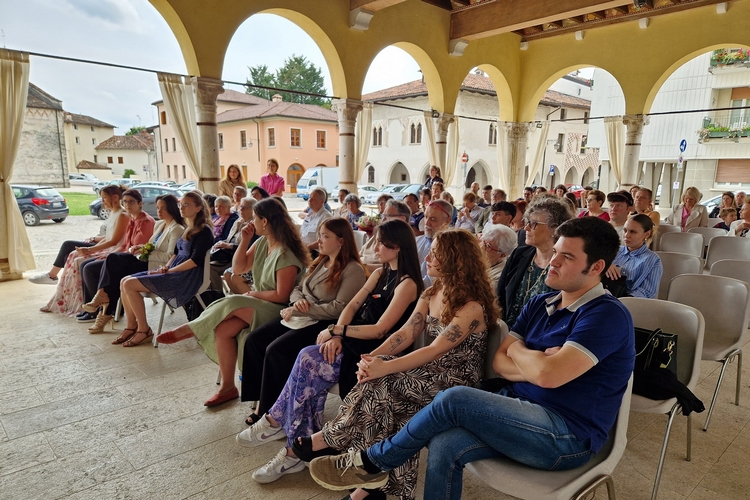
(122, 338)
(129, 343)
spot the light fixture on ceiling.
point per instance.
(639, 4)
(435, 114)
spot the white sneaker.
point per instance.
(43, 279)
(278, 466)
(260, 432)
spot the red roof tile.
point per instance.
(283, 109)
(472, 83)
(137, 141)
(37, 98)
(85, 120)
(90, 165)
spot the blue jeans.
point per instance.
(463, 425)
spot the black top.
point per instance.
(512, 275)
(430, 181)
(373, 308)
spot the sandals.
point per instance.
(99, 300)
(129, 343)
(252, 418)
(302, 447)
(123, 338)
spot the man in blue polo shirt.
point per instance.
(568, 358)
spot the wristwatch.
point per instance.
(330, 330)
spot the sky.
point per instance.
(133, 33)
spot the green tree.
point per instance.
(135, 130)
(297, 73)
(127, 173)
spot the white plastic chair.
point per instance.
(687, 323)
(661, 231)
(725, 303)
(359, 238)
(712, 221)
(674, 264)
(689, 243)
(708, 234)
(727, 248)
(518, 480)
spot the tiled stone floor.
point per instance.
(80, 418)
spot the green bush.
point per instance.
(251, 184)
(127, 173)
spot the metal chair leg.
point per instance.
(739, 377)
(724, 364)
(161, 322)
(607, 479)
(663, 454)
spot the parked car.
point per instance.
(125, 182)
(400, 192)
(575, 189)
(39, 203)
(82, 179)
(371, 197)
(188, 186)
(152, 183)
(149, 194)
(364, 191)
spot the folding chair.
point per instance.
(689, 243)
(674, 264)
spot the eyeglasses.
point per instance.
(532, 223)
(488, 246)
(439, 207)
(185, 205)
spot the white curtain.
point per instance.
(362, 138)
(179, 99)
(503, 155)
(429, 140)
(614, 130)
(541, 146)
(451, 156)
(14, 89)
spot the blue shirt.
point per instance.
(642, 270)
(599, 326)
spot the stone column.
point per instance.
(206, 91)
(347, 111)
(517, 146)
(630, 169)
(441, 140)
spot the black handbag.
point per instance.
(655, 349)
(618, 288)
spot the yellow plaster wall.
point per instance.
(640, 59)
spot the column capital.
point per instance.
(346, 109)
(206, 90)
(519, 130)
(443, 121)
(635, 121)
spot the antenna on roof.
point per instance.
(2, 34)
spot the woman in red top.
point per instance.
(594, 202)
(272, 181)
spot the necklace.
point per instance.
(387, 278)
(529, 286)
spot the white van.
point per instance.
(325, 177)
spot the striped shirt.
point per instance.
(642, 270)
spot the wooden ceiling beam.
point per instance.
(503, 16)
(372, 5)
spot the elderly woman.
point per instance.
(594, 201)
(342, 211)
(498, 242)
(353, 212)
(741, 227)
(224, 218)
(525, 272)
(689, 213)
(223, 250)
(238, 194)
(232, 179)
(381, 201)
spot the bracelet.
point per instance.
(343, 333)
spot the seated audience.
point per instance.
(525, 272)
(225, 218)
(352, 211)
(416, 220)
(497, 196)
(68, 297)
(223, 251)
(567, 362)
(393, 210)
(425, 197)
(620, 206)
(742, 226)
(594, 201)
(727, 201)
(643, 204)
(178, 280)
(316, 215)
(437, 190)
(210, 201)
(437, 219)
(381, 201)
(259, 193)
(689, 213)
(379, 308)
(277, 260)
(468, 215)
(445, 195)
(454, 320)
(239, 193)
(342, 210)
(498, 242)
(641, 267)
(560, 190)
(727, 215)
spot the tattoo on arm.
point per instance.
(417, 324)
(452, 333)
(473, 326)
(396, 341)
(381, 333)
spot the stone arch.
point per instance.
(571, 176)
(424, 172)
(429, 71)
(398, 174)
(478, 172)
(677, 64)
(506, 108)
(589, 177)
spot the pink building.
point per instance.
(252, 130)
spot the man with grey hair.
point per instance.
(498, 195)
(316, 215)
(437, 218)
(394, 209)
(739, 200)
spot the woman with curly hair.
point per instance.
(455, 319)
(278, 259)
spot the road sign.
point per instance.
(465, 158)
(680, 159)
(683, 146)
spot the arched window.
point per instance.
(413, 138)
(419, 133)
(380, 136)
(371, 175)
(492, 139)
(374, 136)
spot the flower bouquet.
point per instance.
(144, 252)
(367, 223)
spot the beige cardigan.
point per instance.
(698, 217)
(327, 304)
(164, 248)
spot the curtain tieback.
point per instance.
(209, 179)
